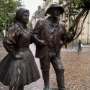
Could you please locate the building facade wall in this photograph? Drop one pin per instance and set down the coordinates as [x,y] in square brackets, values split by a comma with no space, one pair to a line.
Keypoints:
[85,35]
[48,3]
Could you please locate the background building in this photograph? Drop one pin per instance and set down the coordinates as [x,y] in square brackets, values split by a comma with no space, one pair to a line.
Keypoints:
[36,16]
[39,13]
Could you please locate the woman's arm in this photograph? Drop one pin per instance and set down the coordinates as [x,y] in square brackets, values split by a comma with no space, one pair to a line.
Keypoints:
[10,40]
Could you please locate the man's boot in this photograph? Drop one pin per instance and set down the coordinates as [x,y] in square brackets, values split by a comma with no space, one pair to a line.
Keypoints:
[21,87]
[60,79]
[45,75]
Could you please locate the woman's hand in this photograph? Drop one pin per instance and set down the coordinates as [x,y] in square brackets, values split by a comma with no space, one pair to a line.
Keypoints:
[16,56]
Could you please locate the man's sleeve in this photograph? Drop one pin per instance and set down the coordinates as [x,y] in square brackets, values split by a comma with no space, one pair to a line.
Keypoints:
[37,32]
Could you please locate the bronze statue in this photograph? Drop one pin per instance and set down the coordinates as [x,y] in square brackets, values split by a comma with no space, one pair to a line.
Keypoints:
[18,68]
[53,36]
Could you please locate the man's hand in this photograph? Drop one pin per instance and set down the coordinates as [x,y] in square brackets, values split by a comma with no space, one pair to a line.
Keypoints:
[69,35]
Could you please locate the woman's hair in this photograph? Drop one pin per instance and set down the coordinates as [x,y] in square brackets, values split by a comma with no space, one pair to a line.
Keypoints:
[19,13]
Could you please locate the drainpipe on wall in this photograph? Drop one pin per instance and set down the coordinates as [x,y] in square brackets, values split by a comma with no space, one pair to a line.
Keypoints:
[88,28]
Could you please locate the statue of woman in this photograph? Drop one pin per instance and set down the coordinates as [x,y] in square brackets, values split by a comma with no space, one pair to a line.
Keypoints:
[18,68]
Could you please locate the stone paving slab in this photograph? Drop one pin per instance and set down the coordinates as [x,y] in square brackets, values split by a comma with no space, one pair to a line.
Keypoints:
[49,89]
[77,70]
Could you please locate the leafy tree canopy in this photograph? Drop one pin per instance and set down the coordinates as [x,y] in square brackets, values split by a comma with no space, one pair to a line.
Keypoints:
[78,3]
[82,3]
[7,12]
[42,14]
[30,25]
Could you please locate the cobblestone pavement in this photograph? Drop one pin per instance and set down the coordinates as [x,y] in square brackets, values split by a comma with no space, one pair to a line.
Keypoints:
[77,70]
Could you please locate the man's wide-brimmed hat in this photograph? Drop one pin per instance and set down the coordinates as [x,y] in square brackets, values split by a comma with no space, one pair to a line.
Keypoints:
[54,5]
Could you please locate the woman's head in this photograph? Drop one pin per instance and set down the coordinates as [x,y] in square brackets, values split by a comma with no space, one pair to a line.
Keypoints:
[22,15]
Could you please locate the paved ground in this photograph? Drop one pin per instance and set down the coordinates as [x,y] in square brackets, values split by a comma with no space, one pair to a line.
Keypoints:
[77,70]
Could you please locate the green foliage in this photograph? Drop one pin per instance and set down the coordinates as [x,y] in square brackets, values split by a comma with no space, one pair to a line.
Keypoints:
[60,1]
[30,25]
[7,12]
[42,14]
[81,3]
[78,3]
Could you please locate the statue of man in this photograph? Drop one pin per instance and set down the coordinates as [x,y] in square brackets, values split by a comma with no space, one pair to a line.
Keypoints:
[52,36]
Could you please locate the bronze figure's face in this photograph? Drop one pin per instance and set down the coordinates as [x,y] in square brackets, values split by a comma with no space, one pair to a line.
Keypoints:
[22,15]
[25,17]
[55,12]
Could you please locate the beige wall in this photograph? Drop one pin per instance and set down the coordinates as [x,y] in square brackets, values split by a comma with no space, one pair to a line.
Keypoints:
[85,35]
[48,3]
[55,1]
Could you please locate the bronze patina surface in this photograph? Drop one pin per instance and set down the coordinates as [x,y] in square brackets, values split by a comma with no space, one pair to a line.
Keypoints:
[18,68]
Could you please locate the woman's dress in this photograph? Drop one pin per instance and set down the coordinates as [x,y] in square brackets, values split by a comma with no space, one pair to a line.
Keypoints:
[21,71]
